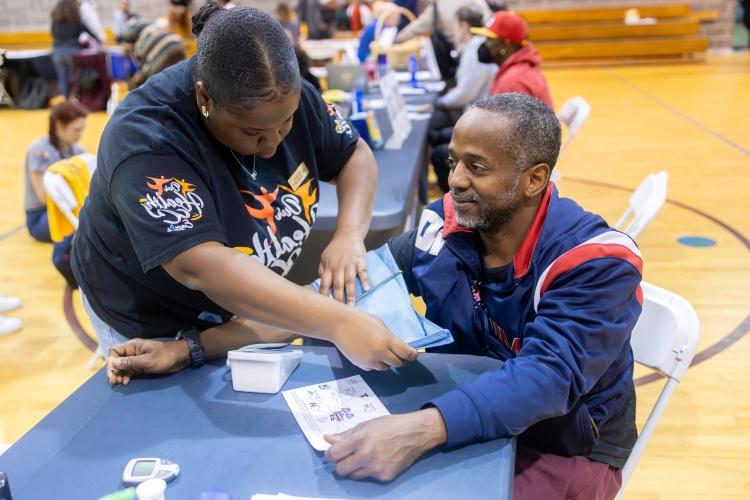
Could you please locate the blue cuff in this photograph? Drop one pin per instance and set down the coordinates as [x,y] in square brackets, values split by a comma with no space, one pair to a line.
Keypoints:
[461,417]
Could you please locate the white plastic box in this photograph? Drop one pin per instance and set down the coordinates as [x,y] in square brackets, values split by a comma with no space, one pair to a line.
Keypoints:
[261,370]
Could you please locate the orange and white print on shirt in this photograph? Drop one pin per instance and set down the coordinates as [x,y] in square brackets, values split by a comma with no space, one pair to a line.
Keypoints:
[173,201]
[285,216]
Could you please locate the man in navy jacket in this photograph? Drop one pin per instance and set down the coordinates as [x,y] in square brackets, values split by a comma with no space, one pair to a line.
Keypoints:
[519,274]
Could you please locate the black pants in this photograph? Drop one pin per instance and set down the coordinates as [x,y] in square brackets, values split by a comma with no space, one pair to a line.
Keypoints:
[441,125]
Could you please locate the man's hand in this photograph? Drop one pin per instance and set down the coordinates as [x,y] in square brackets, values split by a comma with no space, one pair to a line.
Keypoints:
[383,448]
[369,344]
[342,261]
[146,357]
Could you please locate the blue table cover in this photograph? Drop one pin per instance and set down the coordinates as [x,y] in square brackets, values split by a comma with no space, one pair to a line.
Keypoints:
[242,443]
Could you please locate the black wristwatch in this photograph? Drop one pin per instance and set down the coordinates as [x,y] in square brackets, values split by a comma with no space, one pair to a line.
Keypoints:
[192,337]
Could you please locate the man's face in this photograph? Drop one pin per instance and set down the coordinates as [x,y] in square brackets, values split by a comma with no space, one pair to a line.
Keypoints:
[499,49]
[483,182]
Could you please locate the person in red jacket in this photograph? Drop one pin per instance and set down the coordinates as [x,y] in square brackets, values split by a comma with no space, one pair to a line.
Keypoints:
[507,45]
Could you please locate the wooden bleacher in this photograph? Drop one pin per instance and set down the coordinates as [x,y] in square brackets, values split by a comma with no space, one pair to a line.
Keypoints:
[591,14]
[42,39]
[607,30]
[21,40]
[579,34]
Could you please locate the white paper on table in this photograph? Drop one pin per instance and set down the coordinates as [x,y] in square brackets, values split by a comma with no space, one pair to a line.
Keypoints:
[333,407]
[412,91]
[419,108]
[374,103]
[434,86]
[405,76]
[418,117]
[264,496]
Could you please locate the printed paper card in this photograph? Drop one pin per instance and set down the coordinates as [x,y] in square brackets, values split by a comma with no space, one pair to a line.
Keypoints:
[333,407]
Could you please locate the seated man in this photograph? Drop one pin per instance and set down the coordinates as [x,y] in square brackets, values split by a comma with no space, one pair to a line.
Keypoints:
[519,274]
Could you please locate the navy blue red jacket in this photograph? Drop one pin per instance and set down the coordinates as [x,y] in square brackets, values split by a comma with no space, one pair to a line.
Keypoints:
[560,320]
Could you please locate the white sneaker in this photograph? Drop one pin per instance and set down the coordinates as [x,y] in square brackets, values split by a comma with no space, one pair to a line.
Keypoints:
[9,303]
[9,325]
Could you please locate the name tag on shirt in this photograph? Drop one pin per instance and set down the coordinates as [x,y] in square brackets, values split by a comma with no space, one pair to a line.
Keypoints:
[299,176]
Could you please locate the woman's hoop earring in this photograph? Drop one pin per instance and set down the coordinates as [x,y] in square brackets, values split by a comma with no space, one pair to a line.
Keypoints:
[204,111]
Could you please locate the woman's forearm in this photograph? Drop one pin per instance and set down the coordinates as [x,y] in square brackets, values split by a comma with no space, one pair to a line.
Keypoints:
[355,188]
[242,285]
[238,333]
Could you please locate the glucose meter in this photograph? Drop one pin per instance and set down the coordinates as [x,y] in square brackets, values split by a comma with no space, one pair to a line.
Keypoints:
[142,469]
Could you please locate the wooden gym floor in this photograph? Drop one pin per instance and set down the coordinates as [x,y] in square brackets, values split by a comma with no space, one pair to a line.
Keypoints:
[692,120]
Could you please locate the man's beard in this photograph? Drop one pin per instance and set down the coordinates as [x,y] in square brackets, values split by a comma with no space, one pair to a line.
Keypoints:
[493,214]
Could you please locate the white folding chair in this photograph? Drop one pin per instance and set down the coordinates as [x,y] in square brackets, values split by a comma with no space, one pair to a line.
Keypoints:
[573,114]
[60,192]
[664,339]
[644,204]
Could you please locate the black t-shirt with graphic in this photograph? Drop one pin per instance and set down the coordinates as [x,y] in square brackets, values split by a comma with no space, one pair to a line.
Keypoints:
[163,184]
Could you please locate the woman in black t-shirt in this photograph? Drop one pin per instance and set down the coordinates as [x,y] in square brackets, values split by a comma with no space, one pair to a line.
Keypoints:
[206,188]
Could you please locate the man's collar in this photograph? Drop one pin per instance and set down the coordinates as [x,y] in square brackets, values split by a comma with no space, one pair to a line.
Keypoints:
[522,259]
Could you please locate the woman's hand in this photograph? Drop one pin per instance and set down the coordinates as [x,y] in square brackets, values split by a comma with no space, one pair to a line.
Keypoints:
[145,357]
[345,257]
[343,260]
[369,344]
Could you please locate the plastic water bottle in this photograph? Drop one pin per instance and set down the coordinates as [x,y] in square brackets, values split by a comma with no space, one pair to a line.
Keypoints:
[382,65]
[357,106]
[413,67]
[372,70]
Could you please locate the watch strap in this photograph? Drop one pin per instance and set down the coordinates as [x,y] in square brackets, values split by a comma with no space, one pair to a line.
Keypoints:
[192,337]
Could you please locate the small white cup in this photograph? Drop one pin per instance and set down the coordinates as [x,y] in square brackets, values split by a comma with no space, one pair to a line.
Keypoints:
[153,489]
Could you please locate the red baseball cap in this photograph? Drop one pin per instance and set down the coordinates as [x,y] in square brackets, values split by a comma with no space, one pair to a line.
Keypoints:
[505,25]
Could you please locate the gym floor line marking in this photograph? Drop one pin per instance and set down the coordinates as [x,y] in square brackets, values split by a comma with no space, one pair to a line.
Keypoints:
[727,340]
[678,113]
[11,232]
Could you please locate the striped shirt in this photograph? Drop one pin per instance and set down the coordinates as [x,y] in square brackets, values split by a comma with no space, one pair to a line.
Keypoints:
[157,49]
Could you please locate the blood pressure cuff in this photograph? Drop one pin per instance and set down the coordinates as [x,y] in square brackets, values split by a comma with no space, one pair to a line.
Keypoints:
[388,299]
